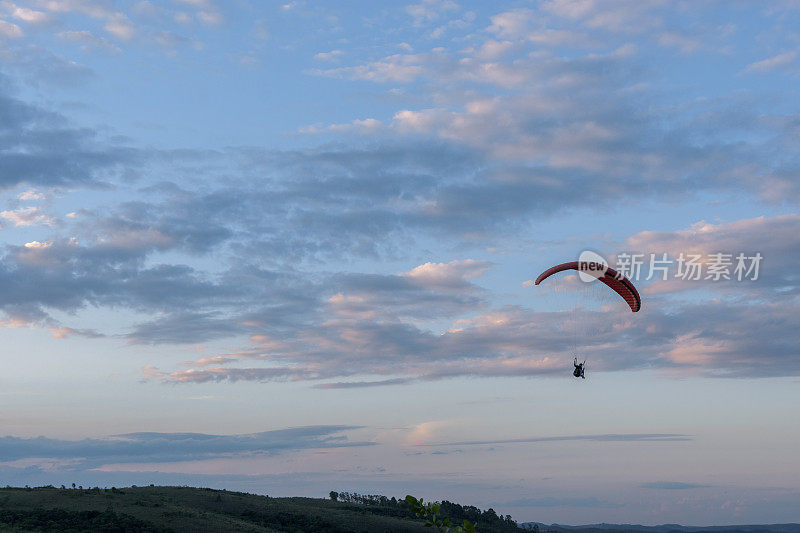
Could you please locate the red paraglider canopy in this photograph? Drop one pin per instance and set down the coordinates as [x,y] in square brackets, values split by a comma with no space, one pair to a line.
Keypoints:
[619,283]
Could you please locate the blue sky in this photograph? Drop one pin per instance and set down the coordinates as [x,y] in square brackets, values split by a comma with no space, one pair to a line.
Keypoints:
[288,248]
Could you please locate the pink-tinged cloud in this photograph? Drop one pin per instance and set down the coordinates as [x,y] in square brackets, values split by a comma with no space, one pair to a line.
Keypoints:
[705,237]
[28,216]
[718,338]
[29,16]
[447,275]
[780,252]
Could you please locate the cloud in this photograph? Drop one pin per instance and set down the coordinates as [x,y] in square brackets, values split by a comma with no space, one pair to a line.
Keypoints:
[513,24]
[146,8]
[63,333]
[685,43]
[173,447]
[211,18]
[39,148]
[369,335]
[184,327]
[671,485]
[625,437]
[452,275]
[626,16]
[197,3]
[362,384]
[464,200]
[530,25]
[333,55]
[9,30]
[506,134]
[88,40]
[115,23]
[359,309]
[28,216]
[29,16]
[171,42]
[37,66]
[580,112]
[37,244]
[93,8]
[430,10]
[600,143]
[328,202]
[232,375]
[776,62]
[463,23]
[63,274]
[399,67]
[732,238]
[120,26]
[32,194]
[366,126]
[549,501]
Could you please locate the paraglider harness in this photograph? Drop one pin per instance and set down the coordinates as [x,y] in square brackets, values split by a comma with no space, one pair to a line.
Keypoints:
[578,372]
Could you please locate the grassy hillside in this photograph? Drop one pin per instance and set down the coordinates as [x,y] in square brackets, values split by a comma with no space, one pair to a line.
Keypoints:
[140,509]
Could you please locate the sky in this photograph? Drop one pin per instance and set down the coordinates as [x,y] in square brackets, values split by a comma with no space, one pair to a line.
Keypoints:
[289,248]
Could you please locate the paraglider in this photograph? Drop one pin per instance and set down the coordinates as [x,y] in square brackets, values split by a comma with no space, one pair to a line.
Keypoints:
[578,372]
[616,281]
[610,277]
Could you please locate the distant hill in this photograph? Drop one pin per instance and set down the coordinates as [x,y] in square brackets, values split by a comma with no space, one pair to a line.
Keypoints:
[183,509]
[180,509]
[665,528]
